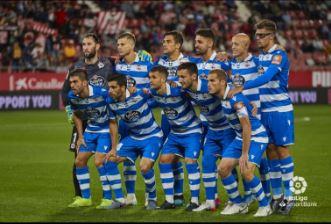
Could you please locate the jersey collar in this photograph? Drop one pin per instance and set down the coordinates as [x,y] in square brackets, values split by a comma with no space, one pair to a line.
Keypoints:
[227,89]
[272,48]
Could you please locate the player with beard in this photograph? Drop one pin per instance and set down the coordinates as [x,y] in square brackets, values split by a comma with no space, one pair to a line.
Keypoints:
[98,69]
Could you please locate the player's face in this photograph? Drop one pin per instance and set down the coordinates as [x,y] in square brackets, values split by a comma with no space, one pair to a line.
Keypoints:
[90,48]
[201,44]
[185,79]
[238,47]
[115,90]
[169,44]
[124,46]
[263,38]
[156,80]
[214,84]
[77,85]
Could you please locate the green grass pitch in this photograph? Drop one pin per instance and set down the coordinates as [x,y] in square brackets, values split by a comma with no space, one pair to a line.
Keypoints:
[36,185]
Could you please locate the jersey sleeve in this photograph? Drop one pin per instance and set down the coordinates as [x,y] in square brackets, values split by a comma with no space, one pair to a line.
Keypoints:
[279,60]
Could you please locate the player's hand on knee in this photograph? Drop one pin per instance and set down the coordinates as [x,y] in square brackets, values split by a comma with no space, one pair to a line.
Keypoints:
[69,115]
[80,142]
[243,163]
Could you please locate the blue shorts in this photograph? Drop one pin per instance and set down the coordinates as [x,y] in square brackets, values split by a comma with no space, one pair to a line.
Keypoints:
[131,148]
[96,142]
[187,146]
[279,126]
[255,153]
[217,141]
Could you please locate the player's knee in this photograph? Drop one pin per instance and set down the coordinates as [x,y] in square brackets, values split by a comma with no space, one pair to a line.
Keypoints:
[80,162]
[247,175]
[282,152]
[98,162]
[144,168]
[190,161]
[166,159]
[224,170]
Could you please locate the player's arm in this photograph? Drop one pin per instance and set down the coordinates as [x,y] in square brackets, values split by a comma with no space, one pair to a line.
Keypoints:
[113,129]
[273,69]
[64,95]
[79,126]
[243,116]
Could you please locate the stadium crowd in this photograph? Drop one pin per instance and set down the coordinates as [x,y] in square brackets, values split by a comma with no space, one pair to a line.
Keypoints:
[304,28]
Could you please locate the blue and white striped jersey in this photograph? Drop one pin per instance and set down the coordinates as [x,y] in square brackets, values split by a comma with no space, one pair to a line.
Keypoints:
[178,110]
[138,70]
[93,109]
[274,94]
[204,67]
[259,133]
[171,65]
[248,68]
[137,115]
[210,106]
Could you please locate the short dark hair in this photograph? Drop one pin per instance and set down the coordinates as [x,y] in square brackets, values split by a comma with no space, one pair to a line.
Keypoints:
[221,74]
[189,66]
[78,71]
[266,24]
[127,35]
[205,32]
[93,36]
[178,37]
[119,78]
[160,69]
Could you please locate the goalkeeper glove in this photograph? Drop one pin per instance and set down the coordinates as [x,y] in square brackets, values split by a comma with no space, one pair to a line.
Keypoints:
[69,115]
[144,56]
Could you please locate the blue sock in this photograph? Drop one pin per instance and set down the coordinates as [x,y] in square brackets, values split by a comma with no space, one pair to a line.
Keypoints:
[247,189]
[194,181]
[130,176]
[276,178]
[149,178]
[114,178]
[231,186]
[209,175]
[265,176]
[105,184]
[83,177]
[287,168]
[257,189]
[167,178]
[178,171]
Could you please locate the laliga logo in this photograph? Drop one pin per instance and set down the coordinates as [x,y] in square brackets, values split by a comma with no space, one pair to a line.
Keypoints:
[298,185]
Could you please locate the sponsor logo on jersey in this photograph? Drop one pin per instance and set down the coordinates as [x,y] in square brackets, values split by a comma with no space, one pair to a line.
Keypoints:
[170,113]
[97,80]
[132,116]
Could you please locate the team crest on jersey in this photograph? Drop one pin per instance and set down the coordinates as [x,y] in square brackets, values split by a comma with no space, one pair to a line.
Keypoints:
[260,70]
[97,80]
[204,109]
[170,113]
[132,116]
[101,65]
[92,113]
